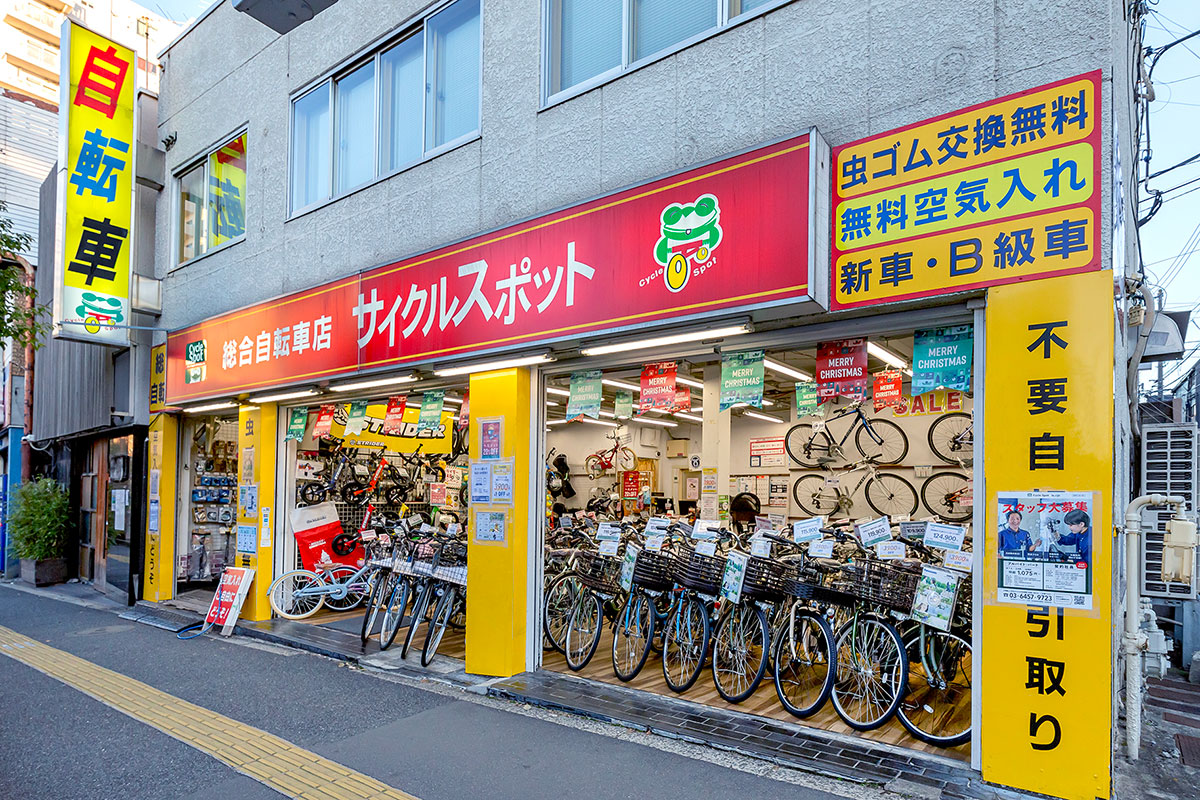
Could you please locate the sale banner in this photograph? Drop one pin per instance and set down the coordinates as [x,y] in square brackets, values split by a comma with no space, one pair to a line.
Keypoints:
[842,369]
[658,386]
[393,418]
[888,389]
[227,600]
[324,421]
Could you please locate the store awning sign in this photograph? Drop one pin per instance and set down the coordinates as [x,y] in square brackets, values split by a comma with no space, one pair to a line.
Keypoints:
[356,419]
[658,386]
[942,359]
[1003,191]
[586,394]
[432,403]
[842,369]
[393,417]
[95,190]
[742,379]
[888,389]
[297,424]
[736,234]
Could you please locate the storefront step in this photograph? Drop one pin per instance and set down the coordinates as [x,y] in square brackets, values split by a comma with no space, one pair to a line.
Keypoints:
[897,769]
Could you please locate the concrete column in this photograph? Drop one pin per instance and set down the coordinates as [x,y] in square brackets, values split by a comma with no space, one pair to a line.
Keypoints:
[717,436]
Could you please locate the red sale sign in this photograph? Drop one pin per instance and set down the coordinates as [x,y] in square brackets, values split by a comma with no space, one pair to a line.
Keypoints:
[734,234]
[842,368]
[227,600]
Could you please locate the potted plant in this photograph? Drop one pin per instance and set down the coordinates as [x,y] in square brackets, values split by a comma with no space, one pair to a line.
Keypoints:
[37,522]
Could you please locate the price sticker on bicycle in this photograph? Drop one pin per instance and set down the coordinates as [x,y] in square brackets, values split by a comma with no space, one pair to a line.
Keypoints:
[913,531]
[627,565]
[608,532]
[654,544]
[706,529]
[609,548]
[959,559]
[760,547]
[454,529]
[708,548]
[890,550]
[367,534]
[807,529]
[818,426]
[947,537]
[734,577]
[874,531]
[821,548]
[657,524]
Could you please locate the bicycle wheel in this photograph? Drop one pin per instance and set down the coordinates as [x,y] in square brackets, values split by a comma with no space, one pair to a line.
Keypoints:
[297,594]
[739,657]
[583,630]
[872,672]
[594,466]
[813,496]
[418,615]
[806,446]
[632,636]
[940,493]
[313,492]
[626,459]
[435,471]
[951,437]
[381,590]
[556,613]
[937,706]
[355,493]
[888,445]
[437,627]
[396,495]
[355,593]
[804,670]
[685,644]
[890,495]
[393,614]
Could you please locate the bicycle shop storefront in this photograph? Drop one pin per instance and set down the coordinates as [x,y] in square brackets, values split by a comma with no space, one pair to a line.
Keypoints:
[685,367]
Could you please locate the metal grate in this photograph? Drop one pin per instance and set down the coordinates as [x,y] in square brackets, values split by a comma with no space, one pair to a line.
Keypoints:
[1189,749]
[1168,467]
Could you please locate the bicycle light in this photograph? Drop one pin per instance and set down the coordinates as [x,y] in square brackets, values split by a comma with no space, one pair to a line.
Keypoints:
[1179,550]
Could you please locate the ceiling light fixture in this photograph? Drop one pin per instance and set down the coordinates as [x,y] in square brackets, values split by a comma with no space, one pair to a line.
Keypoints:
[453,400]
[664,423]
[689,382]
[620,384]
[688,417]
[662,341]
[557,421]
[275,398]
[488,366]
[600,422]
[784,369]
[353,387]
[210,407]
[885,355]
[558,391]
[763,417]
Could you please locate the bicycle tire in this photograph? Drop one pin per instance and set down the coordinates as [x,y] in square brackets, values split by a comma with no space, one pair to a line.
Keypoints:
[353,598]
[313,492]
[938,500]
[643,618]
[883,453]
[555,615]
[871,632]
[393,614]
[381,586]
[418,614]
[683,634]
[798,441]
[437,626]
[591,604]
[899,497]
[594,466]
[745,626]
[941,435]
[812,663]
[355,493]
[915,712]
[625,459]
[282,586]
[813,496]
[396,495]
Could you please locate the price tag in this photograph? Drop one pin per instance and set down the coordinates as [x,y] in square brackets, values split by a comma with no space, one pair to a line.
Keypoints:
[416,521]
[760,548]
[807,529]
[947,537]
[890,550]
[609,548]
[627,565]
[385,540]
[367,534]
[763,524]
[426,528]
[821,548]
[777,521]
[818,426]
[706,529]
[566,522]
[873,532]
[708,548]
[658,524]
[959,560]
[914,531]
[654,544]
[454,528]
[832,480]
[734,577]
[609,532]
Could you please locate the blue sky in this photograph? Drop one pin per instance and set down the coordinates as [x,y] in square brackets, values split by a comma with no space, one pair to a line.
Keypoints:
[178,10]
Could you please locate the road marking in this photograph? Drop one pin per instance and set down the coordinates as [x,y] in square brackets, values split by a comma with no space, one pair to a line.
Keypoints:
[266,758]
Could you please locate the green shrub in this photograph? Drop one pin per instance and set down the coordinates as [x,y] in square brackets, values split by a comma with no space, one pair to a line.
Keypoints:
[37,519]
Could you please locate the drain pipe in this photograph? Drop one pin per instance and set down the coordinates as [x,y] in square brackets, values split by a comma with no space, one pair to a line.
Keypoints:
[1134,640]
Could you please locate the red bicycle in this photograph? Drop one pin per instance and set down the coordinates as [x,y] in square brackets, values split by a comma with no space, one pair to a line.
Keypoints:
[618,456]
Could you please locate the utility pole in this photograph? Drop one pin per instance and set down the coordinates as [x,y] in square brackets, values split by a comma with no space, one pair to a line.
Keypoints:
[1161,297]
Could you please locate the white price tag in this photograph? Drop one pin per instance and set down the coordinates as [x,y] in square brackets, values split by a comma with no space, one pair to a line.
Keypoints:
[654,544]
[959,559]
[818,426]
[657,524]
[947,537]
[426,528]
[832,480]
[367,534]
[873,532]
[821,548]
[706,529]
[890,550]
[708,548]
[913,531]
[807,529]
[609,532]
[609,548]
[760,548]
[385,540]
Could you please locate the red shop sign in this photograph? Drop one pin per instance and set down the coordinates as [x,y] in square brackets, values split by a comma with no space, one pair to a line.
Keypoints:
[733,234]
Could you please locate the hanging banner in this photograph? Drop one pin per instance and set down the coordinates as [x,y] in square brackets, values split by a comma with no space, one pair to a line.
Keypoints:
[624,405]
[658,386]
[922,405]
[842,369]
[431,410]
[806,398]
[356,418]
[324,421]
[393,418]
[297,424]
[95,189]
[888,389]
[464,412]
[742,378]
[683,399]
[942,359]
[586,394]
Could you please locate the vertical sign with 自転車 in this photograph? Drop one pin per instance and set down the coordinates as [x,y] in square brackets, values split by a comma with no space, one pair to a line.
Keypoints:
[585,395]
[742,378]
[942,359]
[491,437]
[92,298]
[158,378]
[1046,582]
[842,369]
[658,387]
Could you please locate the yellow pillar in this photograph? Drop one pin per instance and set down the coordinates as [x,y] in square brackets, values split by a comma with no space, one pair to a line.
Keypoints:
[1034,736]
[159,569]
[256,468]
[497,572]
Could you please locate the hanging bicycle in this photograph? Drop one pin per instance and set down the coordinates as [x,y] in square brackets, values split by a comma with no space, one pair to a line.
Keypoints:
[814,444]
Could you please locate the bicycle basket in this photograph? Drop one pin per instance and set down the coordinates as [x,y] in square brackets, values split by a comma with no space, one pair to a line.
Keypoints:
[814,581]
[765,579]
[889,584]
[654,571]
[599,573]
[698,572]
[454,554]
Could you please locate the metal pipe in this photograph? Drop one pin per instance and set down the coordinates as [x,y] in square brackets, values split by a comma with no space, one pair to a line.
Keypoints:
[1134,640]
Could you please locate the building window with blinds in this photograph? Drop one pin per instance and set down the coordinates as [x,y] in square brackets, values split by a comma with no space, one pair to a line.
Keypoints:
[212,200]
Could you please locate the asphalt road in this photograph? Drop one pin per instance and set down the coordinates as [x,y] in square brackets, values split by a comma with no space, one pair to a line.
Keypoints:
[56,742]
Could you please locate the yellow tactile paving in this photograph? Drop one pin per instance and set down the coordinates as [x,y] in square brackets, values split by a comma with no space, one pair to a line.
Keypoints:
[268,759]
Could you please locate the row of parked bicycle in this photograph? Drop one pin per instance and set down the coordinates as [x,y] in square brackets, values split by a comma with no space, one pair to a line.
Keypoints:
[837,628]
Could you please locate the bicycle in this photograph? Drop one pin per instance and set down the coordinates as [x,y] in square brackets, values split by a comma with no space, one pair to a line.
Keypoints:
[428,468]
[300,593]
[952,437]
[395,492]
[812,445]
[317,491]
[688,631]
[618,456]
[432,580]
[639,619]
[944,493]
[599,575]
[886,493]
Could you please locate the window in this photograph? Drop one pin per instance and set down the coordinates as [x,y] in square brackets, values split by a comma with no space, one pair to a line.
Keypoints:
[415,95]
[212,200]
[590,38]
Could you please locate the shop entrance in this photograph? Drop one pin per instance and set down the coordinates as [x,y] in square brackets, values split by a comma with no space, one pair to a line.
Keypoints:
[752,540]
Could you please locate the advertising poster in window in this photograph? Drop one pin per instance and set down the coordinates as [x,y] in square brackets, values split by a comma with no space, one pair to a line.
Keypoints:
[842,369]
[227,192]
[1045,549]
[942,359]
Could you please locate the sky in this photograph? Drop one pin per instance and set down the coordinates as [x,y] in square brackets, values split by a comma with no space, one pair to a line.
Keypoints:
[177,10]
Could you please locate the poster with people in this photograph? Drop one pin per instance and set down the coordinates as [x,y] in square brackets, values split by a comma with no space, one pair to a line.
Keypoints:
[1045,549]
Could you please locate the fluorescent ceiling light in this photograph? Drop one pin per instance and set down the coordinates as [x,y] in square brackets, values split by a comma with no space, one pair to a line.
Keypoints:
[605,423]
[488,366]
[689,382]
[621,385]
[768,403]
[275,398]
[556,422]
[689,417]
[453,400]
[883,354]
[662,341]
[763,417]
[552,403]
[664,423]
[557,391]
[608,414]
[353,387]
[696,410]
[210,407]
[784,369]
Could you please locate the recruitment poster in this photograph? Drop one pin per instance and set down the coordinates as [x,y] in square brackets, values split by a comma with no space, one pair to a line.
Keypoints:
[1045,549]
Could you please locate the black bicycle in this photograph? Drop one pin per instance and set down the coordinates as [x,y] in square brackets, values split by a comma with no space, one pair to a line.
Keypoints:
[317,491]
[814,445]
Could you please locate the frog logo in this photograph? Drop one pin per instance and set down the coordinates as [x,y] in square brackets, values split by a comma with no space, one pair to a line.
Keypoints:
[99,311]
[690,234]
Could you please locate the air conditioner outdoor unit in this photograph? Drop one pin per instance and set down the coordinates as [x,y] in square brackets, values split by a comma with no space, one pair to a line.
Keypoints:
[1168,467]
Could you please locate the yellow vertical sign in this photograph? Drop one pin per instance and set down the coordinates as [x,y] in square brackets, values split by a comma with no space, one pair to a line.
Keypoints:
[158,378]
[1046,692]
[95,189]
[256,503]
[160,511]
[227,192]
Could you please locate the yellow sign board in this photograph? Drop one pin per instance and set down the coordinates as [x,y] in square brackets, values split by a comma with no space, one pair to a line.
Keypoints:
[92,300]
[437,441]
[158,378]
[227,192]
